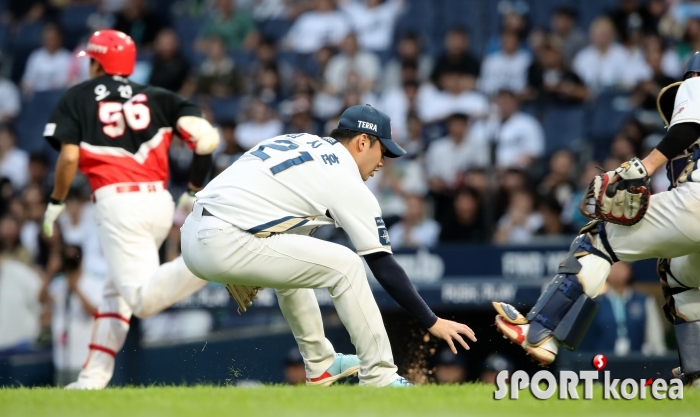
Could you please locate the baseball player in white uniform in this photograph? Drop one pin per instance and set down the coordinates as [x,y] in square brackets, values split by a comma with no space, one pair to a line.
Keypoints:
[118,134]
[251,227]
[631,225]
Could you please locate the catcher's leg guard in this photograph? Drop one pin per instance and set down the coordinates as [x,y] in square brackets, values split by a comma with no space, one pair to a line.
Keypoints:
[565,310]
[688,338]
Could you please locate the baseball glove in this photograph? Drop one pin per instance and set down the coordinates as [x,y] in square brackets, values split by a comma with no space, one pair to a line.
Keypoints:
[620,196]
[243,295]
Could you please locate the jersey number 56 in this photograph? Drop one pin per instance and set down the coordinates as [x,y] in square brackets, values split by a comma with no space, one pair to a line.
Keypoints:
[116,116]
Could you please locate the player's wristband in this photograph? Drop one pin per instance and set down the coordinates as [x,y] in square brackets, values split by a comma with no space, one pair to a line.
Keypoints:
[55,202]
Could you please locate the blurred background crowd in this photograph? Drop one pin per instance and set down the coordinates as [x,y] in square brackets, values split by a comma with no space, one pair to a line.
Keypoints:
[506,109]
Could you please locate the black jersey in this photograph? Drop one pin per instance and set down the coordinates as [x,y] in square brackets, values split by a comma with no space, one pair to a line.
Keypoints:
[123,129]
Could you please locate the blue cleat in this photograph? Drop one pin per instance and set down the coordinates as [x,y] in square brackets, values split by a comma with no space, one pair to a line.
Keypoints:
[401,382]
[343,367]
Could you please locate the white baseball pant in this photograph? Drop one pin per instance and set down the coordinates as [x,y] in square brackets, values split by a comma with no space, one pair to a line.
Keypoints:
[132,227]
[669,229]
[294,265]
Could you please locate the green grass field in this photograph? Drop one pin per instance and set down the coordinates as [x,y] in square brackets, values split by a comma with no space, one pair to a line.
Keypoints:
[278,401]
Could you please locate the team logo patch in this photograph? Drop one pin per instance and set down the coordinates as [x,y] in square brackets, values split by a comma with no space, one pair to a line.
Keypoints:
[50,129]
[383,232]
[330,140]
[366,125]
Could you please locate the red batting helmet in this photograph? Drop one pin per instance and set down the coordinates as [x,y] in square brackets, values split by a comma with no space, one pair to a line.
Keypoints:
[114,50]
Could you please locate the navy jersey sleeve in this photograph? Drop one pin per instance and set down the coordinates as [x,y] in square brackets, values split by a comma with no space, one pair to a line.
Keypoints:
[63,125]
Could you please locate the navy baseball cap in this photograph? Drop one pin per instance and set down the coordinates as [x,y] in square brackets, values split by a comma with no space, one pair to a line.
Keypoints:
[367,119]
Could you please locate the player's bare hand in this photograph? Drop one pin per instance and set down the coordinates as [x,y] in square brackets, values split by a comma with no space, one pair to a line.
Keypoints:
[450,331]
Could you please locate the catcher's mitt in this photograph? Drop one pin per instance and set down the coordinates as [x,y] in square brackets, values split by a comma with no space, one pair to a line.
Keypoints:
[243,295]
[620,196]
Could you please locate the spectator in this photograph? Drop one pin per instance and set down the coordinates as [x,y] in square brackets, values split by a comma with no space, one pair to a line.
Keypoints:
[456,58]
[604,63]
[566,34]
[294,368]
[550,83]
[631,14]
[513,19]
[571,214]
[267,86]
[520,222]
[398,103]
[413,141]
[414,230]
[627,321]
[373,21]
[517,137]
[262,125]
[557,183]
[465,224]
[169,69]
[452,155]
[507,68]
[324,25]
[493,365]
[20,309]
[230,151]
[352,64]
[75,297]
[39,172]
[266,57]
[454,95]
[234,27]
[47,67]
[409,50]
[26,10]
[449,368]
[137,21]
[218,75]
[300,119]
[10,104]
[12,248]
[645,93]
[45,251]
[550,210]
[78,225]
[690,42]
[13,162]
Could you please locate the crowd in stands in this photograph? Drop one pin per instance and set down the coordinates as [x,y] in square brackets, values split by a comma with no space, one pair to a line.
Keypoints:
[505,107]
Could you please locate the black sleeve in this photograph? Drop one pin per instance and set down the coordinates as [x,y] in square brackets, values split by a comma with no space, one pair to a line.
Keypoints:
[178,106]
[395,281]
[63,125]
[678,138]
[199,169]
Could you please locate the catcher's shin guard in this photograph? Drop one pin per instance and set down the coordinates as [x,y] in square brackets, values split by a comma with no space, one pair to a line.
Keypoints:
[688,338]
[564,311]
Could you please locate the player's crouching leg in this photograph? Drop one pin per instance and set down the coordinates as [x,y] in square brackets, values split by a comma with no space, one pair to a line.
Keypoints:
[566,308]
[682,309]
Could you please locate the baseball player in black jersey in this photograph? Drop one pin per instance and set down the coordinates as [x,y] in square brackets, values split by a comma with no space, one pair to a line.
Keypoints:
[118,133]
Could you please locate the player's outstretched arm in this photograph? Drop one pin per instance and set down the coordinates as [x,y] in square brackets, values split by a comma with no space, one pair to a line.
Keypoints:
[394,280]
[203,138]
[66,168]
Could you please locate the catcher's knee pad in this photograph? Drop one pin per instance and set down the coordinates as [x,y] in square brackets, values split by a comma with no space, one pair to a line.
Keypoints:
[663,268]
[688,338]
[564,311]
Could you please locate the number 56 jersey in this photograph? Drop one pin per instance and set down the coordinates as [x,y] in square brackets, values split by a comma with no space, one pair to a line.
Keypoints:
[293,184]
[123,129]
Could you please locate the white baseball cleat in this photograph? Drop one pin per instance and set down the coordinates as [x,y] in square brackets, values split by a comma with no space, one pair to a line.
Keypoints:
[85,385]
[515,326]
